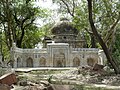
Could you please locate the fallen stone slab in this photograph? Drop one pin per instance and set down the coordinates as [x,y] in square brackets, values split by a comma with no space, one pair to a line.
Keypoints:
[97,67]
[9,79]
[23,83]
[45,83]
[62,87]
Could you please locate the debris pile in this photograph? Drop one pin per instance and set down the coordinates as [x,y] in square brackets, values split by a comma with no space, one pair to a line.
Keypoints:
[112,80]
[43,85]
[4,87]
[89,75]
[84,75]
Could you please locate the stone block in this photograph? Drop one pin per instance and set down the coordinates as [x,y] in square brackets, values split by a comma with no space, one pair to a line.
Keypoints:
[9,79]
[4,87]
[98,67]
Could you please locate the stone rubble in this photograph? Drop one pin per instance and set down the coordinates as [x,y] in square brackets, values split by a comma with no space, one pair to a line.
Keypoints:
[89,76]
[84,75]
[4,87]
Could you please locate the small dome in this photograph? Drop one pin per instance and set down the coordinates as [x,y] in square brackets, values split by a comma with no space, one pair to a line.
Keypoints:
[64,27]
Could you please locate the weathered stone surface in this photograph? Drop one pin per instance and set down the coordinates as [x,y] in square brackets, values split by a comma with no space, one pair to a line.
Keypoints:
[23,83]
[62,87]
[38,87]
[9,79]
[98,67]
[4,87]
[45,83]
[50,87]
[56,55]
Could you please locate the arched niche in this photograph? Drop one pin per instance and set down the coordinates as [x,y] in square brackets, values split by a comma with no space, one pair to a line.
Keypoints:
[19,62]
[42,61]
[76,62]
[59,60]
[59,63]
[29,62]
[91,61]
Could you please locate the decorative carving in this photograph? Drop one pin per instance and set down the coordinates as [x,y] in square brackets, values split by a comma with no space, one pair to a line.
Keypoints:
[42,61]
[76,62]
[59,59]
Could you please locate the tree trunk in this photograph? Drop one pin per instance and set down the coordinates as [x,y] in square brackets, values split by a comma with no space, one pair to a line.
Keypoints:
[101,42]
[93,42]
[9,24]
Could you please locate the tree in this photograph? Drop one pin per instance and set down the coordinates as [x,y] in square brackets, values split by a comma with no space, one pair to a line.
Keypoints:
[100,40]
[18,23]
[19,16]
[116,46]
[67,7]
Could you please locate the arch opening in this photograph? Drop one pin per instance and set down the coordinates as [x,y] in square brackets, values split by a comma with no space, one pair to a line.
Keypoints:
[91,61]
[76,62]
[42,61]
[29,62]
[19,62]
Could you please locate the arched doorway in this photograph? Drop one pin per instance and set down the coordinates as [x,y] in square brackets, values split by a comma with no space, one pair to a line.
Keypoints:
[91,62]
[59,60]
[29,62]
[42,61]
[19,62]
[76,62]
[59,63]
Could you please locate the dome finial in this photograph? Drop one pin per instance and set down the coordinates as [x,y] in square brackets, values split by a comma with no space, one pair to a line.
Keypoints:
[64,19]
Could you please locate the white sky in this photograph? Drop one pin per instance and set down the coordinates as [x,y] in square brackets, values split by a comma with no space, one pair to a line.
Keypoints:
[47,4]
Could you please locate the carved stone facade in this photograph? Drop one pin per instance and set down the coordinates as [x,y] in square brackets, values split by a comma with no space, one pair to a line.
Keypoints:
[56,55]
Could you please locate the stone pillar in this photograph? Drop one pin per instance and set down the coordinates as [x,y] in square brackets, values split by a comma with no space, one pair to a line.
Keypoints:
[84,59]
[15,63]
[36,62]
[102,57]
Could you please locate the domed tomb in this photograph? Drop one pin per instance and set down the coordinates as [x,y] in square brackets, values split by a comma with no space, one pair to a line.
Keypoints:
[64,27]
[65,32]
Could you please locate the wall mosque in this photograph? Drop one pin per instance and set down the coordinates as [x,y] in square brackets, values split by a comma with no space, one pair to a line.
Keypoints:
[67,48]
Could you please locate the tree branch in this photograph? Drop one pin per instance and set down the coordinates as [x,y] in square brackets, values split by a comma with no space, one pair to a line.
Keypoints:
[88,31]
[73,8]
[101,42]
[68,9]
[112,30]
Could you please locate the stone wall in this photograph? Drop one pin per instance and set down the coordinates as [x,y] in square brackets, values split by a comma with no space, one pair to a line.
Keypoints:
[56,55]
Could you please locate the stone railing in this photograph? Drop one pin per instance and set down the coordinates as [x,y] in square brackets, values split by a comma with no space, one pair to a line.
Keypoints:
[18,50]
[85,49]
[30,50]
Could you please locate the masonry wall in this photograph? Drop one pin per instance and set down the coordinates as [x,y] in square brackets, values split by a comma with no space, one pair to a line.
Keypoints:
[55,55]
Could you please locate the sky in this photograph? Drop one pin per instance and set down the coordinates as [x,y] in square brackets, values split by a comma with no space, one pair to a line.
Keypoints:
[47,4]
